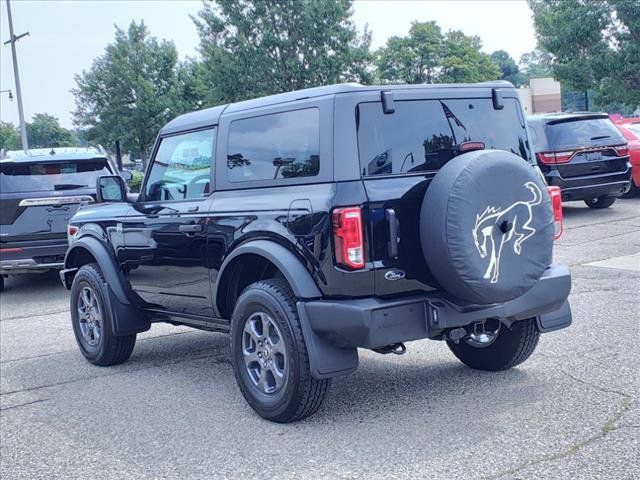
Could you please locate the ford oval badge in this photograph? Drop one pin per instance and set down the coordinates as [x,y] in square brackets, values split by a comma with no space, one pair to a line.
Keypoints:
[394,275]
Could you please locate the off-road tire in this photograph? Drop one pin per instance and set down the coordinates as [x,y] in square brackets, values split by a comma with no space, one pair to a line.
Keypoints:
[601,202]
[301,395]
[111,349]
[513,346]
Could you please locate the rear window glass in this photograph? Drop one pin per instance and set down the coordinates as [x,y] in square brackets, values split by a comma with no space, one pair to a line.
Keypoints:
[422,135]
[580,133]
[275,146]
[49,176]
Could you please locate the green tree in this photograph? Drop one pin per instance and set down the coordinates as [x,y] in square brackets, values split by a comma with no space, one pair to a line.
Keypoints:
[413,59]
[131,91]
[258,47]
[45,131]
[464,62]
[595,45]
[9,138]
[428,56]
[535,64]
[508,67]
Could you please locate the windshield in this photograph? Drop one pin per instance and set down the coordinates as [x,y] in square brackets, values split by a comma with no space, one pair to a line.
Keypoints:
[50,176]
[422,135]
[583,133]
[635,128]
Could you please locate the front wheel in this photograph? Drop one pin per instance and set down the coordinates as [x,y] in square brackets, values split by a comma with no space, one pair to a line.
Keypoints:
[269,356]
[601,202]
[92,322]
[497,347]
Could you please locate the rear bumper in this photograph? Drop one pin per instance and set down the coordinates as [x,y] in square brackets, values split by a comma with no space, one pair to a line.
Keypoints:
[32,259]
[374,322]
[590,186]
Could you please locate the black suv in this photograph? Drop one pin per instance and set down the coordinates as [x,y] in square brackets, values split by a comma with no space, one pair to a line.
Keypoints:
[313,223]
[582,153]
[39,192]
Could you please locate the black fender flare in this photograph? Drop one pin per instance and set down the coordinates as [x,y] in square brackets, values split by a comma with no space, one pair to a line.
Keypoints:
[292,267]
[127,317]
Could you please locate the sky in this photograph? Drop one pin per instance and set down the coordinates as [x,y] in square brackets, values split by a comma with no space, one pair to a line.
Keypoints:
[66,36]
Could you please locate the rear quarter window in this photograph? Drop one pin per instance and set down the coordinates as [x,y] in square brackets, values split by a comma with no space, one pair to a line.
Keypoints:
[274,146]
[422,135]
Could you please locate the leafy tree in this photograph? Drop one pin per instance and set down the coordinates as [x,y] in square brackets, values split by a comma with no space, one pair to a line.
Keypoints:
[428,56]
[258,47]
[595,44]
[535,64]
[131,91]
[508,67]
[9,138]
[413,59]
[45,131]
[462,60]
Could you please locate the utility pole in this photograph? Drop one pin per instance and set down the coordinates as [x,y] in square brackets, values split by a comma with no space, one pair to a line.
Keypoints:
[12,41]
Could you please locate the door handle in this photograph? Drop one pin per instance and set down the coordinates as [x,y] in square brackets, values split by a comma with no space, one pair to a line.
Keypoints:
[390,215]
[193,228]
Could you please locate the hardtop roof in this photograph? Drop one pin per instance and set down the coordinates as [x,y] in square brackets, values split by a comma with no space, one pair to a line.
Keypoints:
[211,116]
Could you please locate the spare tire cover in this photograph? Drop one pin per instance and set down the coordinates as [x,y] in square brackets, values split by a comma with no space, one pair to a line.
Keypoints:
[486,226]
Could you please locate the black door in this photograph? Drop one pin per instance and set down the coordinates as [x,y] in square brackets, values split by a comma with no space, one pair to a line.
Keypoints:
[166,233]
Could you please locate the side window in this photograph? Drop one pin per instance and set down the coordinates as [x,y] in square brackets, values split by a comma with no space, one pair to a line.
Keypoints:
[279,145]
[181,168]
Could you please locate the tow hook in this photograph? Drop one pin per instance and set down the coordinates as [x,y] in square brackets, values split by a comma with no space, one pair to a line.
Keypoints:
[397,348]
[457,334]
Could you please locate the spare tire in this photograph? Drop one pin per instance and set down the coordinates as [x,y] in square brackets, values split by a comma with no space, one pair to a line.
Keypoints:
[486,227]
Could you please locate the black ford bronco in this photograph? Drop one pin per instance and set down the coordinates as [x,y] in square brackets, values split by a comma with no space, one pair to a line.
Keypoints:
[312,223]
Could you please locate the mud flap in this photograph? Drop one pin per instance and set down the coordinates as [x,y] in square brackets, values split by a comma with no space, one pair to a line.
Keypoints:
[560,318]
[126,320]
[325,359]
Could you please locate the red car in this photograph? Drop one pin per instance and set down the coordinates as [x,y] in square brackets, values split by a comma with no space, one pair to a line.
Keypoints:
[630,128]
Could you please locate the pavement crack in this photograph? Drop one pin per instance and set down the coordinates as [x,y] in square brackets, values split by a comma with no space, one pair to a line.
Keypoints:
[30,316]
[608,427]
[24,404]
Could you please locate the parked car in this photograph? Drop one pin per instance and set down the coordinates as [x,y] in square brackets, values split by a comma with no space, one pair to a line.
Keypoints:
[313,223]
[582,153]
[630,129]
[39,192]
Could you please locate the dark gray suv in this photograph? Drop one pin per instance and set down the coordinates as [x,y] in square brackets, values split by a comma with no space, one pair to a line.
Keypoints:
[39,192]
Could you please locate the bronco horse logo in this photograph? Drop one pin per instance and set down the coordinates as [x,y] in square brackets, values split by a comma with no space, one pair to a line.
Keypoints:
[495,227]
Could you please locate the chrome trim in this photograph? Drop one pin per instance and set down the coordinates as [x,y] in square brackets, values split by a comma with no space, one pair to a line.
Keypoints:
[37,202]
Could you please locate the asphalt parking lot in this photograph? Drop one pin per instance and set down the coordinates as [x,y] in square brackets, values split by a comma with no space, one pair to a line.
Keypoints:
[174,411]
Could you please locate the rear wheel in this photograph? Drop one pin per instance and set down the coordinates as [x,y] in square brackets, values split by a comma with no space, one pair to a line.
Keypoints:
[497,347]
[632,192]
[601,202]
[269,356]
[92,322]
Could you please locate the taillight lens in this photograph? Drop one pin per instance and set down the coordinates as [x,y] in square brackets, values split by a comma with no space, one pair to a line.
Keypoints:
[71,230]
[546,158]
[564,157]
[622,151]
[556,204]
[348,237]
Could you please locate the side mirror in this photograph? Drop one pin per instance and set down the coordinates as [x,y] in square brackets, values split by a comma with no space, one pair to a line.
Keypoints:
[111,188]
[126,175]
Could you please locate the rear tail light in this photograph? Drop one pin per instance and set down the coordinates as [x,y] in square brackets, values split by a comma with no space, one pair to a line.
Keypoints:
[556,205]
[470,146]
[549,158]
[71,230]
[11,250]
[622,151]
[348,237]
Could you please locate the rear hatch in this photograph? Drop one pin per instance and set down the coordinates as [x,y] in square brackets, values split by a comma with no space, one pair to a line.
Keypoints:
[585,145]
[401,152]
[37,199]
